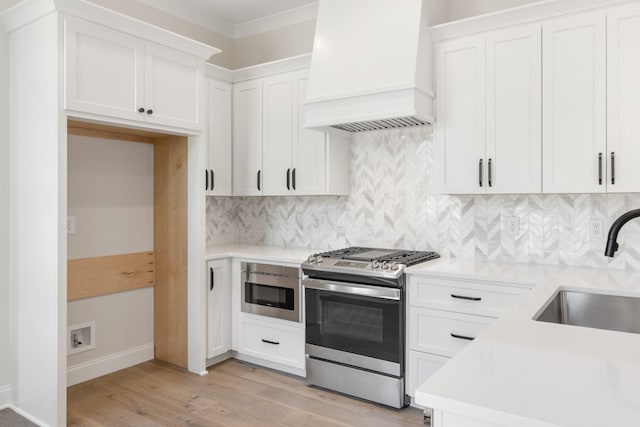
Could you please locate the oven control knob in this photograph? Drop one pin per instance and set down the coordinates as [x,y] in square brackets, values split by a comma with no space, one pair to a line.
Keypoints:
[385,265]
[375,264]
[394,266]
[311,259]
[319,259]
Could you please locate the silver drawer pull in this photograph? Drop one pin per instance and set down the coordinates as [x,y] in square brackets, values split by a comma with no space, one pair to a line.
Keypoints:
[465,297]
[462,337]
[270,342]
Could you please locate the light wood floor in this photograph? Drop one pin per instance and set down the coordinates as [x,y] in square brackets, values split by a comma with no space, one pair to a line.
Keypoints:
[232,394]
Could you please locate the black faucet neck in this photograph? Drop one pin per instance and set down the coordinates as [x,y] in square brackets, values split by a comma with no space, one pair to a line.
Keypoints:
[612,239]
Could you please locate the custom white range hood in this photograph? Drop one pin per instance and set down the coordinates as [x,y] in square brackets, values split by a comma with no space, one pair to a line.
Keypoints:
[370,67]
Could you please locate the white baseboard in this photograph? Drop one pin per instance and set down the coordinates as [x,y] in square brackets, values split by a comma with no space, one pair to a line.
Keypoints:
[5,396]
[27,416]
[105,365]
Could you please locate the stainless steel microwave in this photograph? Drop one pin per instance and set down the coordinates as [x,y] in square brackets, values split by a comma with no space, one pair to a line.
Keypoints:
[271,290]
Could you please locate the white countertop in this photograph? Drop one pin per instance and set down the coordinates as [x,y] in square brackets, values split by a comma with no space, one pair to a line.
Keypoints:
[266,253]
[521,372]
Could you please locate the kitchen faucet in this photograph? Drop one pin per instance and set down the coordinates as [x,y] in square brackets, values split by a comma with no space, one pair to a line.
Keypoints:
[612,240]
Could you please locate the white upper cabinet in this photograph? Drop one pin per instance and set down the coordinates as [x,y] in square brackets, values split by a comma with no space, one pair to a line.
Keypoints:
[574,104]
[218,172]
[108,73]
[173,87]
[513,111]
[277,125]
[623,99]
[488,98]
[460,124]
[247,138]
[310,160]
[274,155]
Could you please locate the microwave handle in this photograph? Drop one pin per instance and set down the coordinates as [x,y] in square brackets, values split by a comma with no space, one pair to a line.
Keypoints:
[353,289]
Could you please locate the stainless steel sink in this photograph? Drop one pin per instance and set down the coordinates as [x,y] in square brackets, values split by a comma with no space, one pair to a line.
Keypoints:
[592,310]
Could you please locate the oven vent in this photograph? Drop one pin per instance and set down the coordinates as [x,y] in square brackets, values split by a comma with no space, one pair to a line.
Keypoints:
[399,122]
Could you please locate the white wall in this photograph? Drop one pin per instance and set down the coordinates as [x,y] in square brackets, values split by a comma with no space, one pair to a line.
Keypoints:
[286,42]
[459,9]
[4,219]
[110,192]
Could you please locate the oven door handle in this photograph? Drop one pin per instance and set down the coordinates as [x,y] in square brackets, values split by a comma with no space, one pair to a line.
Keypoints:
[353,289]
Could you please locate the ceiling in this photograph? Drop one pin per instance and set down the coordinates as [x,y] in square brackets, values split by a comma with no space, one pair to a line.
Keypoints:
[236,12]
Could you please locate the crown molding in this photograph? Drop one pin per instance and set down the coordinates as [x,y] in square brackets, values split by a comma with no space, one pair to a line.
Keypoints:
[289,17]
[193,15]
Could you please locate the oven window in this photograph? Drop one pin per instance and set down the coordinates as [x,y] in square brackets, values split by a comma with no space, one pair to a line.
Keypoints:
[270,296]
[361,325]
[352,321]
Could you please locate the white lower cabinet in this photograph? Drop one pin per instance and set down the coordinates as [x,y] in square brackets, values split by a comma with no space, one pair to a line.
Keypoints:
[445,314]
[422,366]
[273,342]
[218,313]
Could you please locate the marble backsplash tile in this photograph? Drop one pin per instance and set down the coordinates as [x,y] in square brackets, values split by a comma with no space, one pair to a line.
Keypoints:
[393,204]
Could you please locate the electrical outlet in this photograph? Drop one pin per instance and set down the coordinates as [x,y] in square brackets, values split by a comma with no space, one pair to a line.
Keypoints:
[71,225]
[512,225]
[596,228]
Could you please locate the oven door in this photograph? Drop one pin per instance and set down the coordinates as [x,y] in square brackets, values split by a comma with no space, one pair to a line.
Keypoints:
[354,324]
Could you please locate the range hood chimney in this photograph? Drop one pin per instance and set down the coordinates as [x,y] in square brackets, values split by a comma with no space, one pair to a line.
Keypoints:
[370,66]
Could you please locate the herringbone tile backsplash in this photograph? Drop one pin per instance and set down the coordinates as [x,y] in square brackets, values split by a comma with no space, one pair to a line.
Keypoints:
[393,204]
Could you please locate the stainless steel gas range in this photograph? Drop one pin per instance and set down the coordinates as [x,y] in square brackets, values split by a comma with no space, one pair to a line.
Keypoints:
[355,321]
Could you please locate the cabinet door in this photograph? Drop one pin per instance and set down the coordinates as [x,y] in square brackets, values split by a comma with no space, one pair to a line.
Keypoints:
[420,367]
[309,146]
[173,84]
[623,99]
[104,71]
[218,174]
[247,138]
[218,314]
[513,115]
[460,127]
[574,116]
[277,116]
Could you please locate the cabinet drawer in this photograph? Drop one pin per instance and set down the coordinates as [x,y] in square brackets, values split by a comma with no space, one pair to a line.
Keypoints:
[479,298]
[273,342]
[442,332]
[422,366]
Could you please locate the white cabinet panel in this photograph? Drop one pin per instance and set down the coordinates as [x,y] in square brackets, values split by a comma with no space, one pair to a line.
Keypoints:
[218,308]
[110,74]
[277,124]
[273,342]
[421,367]
[441,332]
[574,116]
[247,138]
[513,116]
[173,88]
[460,127]
[310,162]
[623,99]
[104,70]
[218,173]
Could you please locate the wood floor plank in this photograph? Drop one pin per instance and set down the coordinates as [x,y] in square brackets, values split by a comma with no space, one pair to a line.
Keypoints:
[234,394]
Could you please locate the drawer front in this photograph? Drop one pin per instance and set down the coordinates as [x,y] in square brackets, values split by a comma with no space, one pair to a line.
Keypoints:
[275,343]
[422,366]
[483,299]
[441,332]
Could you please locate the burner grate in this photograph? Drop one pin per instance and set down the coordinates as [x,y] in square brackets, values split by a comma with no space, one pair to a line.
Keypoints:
[400,256]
